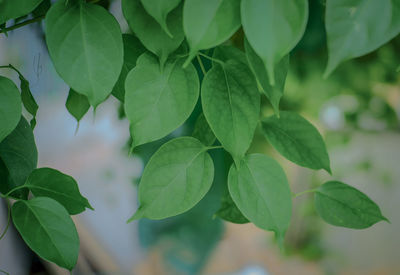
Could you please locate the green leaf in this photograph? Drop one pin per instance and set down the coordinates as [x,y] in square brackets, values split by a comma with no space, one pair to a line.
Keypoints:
[273,28]
[28,100]
[48,230]
[77,104]
[85,45]
[42,8]
[19,155]
[203,132]
[10,107]
[175,179]
[132,50]
[150,33]
[229,211]
[261,192]
[157,102]
[231,105]
[224,53]
[272,92]
[297,140]
[159,9]
[353,28]
[342,205]
[47,182]
[10,9]
[208,23]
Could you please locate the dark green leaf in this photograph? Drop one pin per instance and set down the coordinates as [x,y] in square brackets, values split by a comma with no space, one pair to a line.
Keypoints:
[177,176]
[353,28]
[231,105]
[77,104]
[10,107]
[229,211]
[208,23]
[85,45]
[342,205]
[10,9]
[48,230]
[203,132]
[42,8]
[28,100]
[132,50]
[297,140]
[273,93]
[273,28]
[19,154]
[150,33]
[157,102]
[224,53]
[159,9]
[47,182]
[261,191]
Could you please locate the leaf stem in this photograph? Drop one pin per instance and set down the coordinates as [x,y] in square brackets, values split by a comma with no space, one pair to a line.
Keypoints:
[13,190]
[305,192]
[8,219]
[201,65]
[1,270]
[214,147]
[19,25]
[211,58]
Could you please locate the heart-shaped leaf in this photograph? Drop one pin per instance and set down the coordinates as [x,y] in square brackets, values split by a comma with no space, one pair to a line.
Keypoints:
[157,102]
[231,105]
[47,182]
[175,179]
[48,230]
[273,28]
[85,45]
[10,107]
[260,190]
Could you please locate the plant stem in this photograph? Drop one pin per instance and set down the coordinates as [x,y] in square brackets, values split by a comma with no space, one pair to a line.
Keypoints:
[214,147]
[305,192]
[8,219]
[201,65]
[13,190]
[211,58]
[19,25]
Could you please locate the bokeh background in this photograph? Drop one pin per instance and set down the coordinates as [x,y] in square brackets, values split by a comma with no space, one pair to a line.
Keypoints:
[357,110]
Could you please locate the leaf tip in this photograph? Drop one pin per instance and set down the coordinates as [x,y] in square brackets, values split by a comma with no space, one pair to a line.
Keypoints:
[138,215]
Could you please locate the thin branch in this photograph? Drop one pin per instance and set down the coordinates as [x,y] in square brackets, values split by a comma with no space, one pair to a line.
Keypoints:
[19,25]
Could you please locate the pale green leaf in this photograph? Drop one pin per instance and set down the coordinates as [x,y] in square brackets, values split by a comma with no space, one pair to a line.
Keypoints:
[342,205]
[157,102]
[261,192]
[77,104]
[150,33]
[208,23]
[10,9]
[48,230]
[353,28]
[19,156]
[175,179]
[224,53]
[231,105]
[273,28]
[159,9]
[203,132]
[47,182]
[297,140]
[132,50]
[10,107]
[273,92]
[85,45]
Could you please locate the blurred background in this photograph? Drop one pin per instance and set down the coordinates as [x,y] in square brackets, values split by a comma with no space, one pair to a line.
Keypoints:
[357,110]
